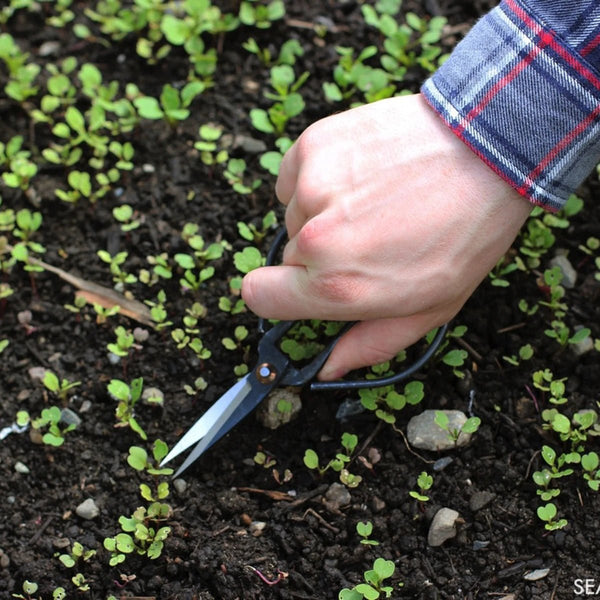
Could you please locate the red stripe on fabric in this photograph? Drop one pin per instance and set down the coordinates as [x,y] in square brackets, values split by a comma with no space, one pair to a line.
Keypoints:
[554,44]
[591,46]
[582,126]
[493,91]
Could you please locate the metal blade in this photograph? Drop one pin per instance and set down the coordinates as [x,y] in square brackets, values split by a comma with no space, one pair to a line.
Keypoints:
[218,428]
[201,427]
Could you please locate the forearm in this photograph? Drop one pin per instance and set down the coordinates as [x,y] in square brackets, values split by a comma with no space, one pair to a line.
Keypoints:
[522,90]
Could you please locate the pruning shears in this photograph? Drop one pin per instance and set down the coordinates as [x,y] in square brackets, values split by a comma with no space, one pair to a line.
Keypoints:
[274,368]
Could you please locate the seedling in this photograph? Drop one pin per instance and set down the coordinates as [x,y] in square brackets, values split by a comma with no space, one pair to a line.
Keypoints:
[210,153]
[239,335]
[374,586]
[137,536]
[199,385]
[338,464]
[589,464]
[525,353]
[256,234]
[20,170]
[49,419]
[424,482]
[470,426]
[120,277]
[384,401]
[235,175]
[287,54]
[248,259]
[124,343]
[138,459]
[59,387]
[127,397]
[288,103]
[364,530]
[78,552]
[547,513]
[264,460]
[544,380]
[125,215]
[271,160]
[259,15]
[172,106]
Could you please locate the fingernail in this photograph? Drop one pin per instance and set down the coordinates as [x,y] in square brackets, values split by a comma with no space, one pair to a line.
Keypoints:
[329,373]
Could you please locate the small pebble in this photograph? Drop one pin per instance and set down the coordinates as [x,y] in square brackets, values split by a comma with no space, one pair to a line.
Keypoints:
[256,528]
[86,406]
[21,468]
[338,495]
[113,359]
[424,433]
[443,526]
[480,545]
[180,486]
[88,509]
[37,373]
[279,408]
[480,500]
[148,168]
[442,463]
[536,575]
[4,560]
[70,417]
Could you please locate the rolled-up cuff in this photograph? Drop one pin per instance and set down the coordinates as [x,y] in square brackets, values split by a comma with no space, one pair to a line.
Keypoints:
[523,100]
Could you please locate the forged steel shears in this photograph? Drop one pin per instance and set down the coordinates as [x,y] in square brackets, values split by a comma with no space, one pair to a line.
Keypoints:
[274,368]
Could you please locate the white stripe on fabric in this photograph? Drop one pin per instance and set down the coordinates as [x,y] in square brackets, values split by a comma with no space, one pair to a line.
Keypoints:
[557,69]
[519,176]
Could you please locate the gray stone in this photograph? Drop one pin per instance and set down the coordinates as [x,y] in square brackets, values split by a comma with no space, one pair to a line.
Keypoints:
[338,495]
[180,486]
[566,268]
[424,433]
[280,407]
[70,417]
[480,500]
[441,463]
[249,144]
[87,509]
[256,528]
[21,468]
[536,575]
[443,526]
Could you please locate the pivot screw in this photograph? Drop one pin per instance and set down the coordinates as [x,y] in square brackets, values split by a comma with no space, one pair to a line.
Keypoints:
[265,373]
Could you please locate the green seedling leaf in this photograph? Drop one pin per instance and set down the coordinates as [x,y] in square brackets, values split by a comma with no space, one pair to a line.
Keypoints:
[547,512]
[384,568]
[138,458]
[248,259]
[590,461]
[311,459]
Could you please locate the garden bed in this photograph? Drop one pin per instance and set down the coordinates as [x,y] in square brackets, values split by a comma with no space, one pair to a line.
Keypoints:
[235,530]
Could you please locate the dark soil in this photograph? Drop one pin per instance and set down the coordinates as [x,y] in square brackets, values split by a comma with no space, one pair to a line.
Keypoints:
[211,552]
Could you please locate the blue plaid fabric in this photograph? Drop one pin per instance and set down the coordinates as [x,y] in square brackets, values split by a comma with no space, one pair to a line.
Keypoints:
[523,91]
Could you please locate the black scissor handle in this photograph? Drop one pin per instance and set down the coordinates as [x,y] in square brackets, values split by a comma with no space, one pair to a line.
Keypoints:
[305,374]
[359,384]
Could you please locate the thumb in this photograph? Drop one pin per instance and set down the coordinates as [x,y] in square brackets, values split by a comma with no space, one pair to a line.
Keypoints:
[276,292]
[372,342]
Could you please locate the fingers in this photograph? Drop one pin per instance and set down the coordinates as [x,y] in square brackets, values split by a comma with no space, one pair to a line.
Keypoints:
[277,293]
[288,175]
[373,342]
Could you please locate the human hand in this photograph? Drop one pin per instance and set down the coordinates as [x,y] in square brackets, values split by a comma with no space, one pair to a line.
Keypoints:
[392,222]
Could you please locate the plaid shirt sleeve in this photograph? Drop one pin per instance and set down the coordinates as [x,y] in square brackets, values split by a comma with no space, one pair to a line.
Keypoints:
[522,90]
